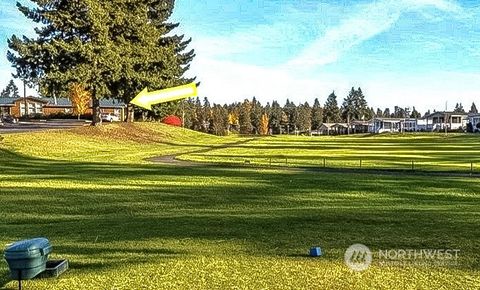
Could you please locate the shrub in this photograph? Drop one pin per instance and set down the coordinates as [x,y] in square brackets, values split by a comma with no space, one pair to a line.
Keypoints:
[173,121]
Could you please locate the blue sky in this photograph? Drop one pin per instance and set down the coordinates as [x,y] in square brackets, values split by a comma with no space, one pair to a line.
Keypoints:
[402,52]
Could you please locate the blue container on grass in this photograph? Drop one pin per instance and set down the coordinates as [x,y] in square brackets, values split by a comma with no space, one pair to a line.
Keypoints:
[315,252]
[26,259]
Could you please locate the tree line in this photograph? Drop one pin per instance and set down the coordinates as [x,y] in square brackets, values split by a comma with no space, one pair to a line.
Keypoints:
[252,117]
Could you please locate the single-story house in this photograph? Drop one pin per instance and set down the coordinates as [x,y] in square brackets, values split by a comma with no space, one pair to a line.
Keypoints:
[474,120]
[383,125]
[394,125]
[331,129]
[361,127]
[451,120]
[15,107]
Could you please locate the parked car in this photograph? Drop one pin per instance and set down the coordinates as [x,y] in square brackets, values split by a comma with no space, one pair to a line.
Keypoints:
[110,118]
[8,119]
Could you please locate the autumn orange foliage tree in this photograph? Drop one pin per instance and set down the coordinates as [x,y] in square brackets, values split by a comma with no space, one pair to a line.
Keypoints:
[264,124]
[80,98]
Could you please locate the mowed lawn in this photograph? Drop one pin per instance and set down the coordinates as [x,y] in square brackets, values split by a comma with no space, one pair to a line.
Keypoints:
[426,152]
[125,223]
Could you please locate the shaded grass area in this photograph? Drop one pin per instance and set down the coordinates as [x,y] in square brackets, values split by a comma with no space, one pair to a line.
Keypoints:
[131,225]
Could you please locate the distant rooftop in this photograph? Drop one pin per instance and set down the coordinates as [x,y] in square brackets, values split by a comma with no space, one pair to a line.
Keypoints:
[62,102]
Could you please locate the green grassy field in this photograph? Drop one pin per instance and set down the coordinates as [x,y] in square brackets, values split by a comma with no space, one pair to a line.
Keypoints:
[125,223]
[428,152]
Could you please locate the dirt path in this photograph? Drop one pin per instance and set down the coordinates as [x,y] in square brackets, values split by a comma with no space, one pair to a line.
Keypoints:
[172,159]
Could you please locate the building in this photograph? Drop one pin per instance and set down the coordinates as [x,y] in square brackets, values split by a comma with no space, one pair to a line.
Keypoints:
[439,121]
[393,125]
[359,127]
[15,107]
[474,120]
[331,129]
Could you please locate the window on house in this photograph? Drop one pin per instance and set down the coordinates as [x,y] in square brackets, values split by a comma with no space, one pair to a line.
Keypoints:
[22,109]
[31,108]
[38,108]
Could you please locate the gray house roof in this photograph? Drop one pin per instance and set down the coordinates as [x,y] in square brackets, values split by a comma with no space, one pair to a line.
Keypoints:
[7,101]
[62,102]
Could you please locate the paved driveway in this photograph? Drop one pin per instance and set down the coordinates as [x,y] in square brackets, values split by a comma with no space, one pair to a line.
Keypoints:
[40,125]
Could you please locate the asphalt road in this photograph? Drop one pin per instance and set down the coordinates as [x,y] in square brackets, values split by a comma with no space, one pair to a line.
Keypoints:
[31,126]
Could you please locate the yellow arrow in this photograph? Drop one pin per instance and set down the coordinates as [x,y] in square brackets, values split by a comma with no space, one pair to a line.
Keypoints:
[146,99]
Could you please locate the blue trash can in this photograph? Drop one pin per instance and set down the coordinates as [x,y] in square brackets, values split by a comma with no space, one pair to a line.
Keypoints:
[26,259]
[315,252]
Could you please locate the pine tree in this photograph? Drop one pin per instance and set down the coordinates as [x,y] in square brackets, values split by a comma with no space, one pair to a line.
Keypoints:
[291,111]
[355,107]
[276,118]
[219,120]
[331,112]
[362,112]
[304,119]
[386,113]
[349,107]
[459,108]
[244,118]
[188,113]
[10,91]
[207,116]
[473,109]
[116,48]
[256,115]
[379,113]
[415,114]
[317,114]
[199,118]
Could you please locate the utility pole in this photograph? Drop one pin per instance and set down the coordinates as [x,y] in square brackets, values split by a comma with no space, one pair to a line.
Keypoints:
[25,97]
[446,118]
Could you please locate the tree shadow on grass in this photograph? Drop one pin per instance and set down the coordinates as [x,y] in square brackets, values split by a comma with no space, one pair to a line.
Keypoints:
[4,278]
[274,213]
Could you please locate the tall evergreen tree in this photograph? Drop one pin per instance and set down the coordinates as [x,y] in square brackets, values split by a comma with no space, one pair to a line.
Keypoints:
[459,108]
[256,115]
[291,111]
[415,114]
[188,113]
[473,109]
[276,118]
[379,113]
[199,116]
[386,113]
[207,116]
[331,112]
[304,118]
[219,120]
[10,91]
[349,108]
[362,112]
[244,118]
[114,48]
[317,114]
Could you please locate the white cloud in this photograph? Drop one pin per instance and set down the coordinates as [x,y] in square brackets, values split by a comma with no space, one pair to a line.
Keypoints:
[222,78]
[370,20]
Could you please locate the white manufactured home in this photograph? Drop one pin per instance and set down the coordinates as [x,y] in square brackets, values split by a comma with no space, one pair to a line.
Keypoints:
[393,125]
[474,120]
[449,120]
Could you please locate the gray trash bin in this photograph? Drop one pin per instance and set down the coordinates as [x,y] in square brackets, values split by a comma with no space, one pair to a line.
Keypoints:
[27,258]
